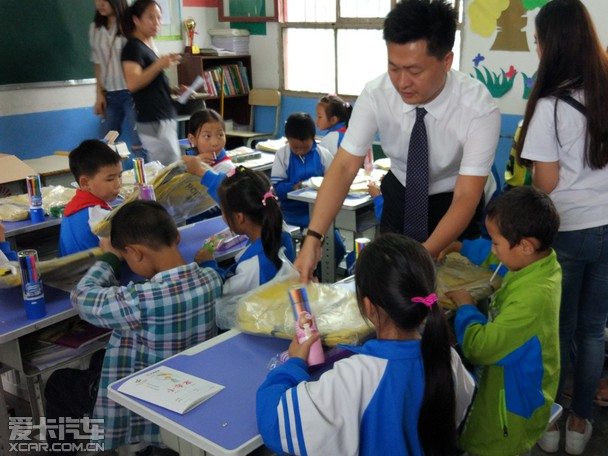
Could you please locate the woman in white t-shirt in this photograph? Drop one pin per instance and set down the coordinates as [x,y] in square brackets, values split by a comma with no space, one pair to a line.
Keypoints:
[565,138]
[113,101]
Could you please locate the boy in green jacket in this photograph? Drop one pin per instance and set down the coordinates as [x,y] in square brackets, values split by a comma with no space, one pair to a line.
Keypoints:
[517,344]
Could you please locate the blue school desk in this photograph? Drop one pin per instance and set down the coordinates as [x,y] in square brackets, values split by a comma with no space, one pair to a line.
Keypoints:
[224,424]
[356,215]
[12,229]
[14,324]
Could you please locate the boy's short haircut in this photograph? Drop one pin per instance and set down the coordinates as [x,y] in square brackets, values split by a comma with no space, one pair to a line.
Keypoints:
[90,156]
[143,222]
[525,212]
[431,20]
[300,126]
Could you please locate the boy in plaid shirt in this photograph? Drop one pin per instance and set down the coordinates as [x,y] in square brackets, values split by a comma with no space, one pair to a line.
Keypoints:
[171,311]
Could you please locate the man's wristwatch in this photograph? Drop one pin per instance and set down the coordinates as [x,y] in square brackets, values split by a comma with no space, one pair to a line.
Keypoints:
[315,234]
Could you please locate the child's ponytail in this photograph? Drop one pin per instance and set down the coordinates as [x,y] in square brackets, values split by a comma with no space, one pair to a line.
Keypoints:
[397,275]
[336,106]
[436,422]
[249,192]
[272,228]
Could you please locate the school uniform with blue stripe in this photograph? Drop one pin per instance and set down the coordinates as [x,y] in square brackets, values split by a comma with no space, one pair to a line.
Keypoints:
[367,404]
[252,267]
[333,137]
[289,169]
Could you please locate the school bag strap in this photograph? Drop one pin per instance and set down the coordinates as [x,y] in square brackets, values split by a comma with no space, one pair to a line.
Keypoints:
[570,100]
[566,97]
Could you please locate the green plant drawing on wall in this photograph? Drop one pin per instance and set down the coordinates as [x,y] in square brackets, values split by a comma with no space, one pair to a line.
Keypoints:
[508,17]
[528,84]
[497,84]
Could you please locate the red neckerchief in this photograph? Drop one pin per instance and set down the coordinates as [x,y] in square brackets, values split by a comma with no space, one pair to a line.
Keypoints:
[83,199]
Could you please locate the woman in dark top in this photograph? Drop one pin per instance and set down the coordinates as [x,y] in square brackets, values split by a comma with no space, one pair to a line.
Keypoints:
[143,71]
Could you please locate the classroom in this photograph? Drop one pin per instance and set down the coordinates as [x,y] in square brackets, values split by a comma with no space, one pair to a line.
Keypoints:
[286,164]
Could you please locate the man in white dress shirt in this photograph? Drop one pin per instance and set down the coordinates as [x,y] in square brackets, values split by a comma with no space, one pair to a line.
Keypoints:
[462,123]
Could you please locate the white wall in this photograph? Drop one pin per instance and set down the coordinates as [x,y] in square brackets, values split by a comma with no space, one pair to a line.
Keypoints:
[264,51]
[526,62]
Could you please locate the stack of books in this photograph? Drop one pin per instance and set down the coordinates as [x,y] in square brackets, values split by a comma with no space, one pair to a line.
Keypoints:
[233,77]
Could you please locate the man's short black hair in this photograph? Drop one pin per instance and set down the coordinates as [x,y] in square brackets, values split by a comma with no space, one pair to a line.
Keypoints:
[525,212]
[143,222]
[431,20]
[90,156]
[300,126]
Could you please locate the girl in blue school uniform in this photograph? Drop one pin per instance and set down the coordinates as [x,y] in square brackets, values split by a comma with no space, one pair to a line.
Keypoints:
[207,137]
[333,114]
[403,393]
[249,207]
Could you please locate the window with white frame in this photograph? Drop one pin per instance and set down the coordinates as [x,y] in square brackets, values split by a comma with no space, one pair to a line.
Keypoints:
[336,46]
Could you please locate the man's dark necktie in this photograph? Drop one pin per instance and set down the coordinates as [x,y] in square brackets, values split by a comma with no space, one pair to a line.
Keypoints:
[416,210]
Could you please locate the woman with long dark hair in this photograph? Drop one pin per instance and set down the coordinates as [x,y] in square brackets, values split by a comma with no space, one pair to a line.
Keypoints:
[564,139]
[113,102]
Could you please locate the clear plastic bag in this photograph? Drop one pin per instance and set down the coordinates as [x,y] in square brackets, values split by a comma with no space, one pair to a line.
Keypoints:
[267,310]
[457,273]
[63,273]
[16,208]
[178,191]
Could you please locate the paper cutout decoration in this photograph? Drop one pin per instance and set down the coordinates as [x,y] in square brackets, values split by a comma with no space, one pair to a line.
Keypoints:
[528,84]
[508,17]
[497,84]
[478,59]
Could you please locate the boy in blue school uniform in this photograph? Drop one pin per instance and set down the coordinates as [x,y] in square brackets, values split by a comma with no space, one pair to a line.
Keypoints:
[300,159]
[97,170]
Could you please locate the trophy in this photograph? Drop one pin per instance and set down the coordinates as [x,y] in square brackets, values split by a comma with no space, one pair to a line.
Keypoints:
[190,25]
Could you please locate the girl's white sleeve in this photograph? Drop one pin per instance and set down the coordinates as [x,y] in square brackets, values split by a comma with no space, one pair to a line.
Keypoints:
[330,142]
[245,278]
[324,417]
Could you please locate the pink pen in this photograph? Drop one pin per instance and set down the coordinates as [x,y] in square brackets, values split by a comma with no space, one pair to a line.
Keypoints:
[305,323]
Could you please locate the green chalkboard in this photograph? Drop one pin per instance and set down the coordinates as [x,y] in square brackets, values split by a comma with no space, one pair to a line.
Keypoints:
[45,40]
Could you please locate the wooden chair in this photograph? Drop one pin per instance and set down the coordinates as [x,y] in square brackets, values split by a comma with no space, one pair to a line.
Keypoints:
[260,97]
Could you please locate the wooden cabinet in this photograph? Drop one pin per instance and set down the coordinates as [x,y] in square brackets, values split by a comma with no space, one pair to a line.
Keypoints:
[236,106]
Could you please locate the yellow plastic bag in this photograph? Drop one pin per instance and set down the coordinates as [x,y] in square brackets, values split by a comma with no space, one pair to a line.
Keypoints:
[178,191]
[62,273]
[15,208]
[458,273]
[267,310]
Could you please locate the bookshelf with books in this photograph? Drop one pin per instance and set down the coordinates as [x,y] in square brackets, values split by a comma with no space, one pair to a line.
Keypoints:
[233,71]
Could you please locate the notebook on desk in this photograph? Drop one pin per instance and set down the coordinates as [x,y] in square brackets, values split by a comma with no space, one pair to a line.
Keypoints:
[170,388]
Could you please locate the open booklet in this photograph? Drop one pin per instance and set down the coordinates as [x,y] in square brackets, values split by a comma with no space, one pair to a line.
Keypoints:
[170,389]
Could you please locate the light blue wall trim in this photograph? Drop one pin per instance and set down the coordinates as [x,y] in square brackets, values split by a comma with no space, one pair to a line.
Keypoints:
[38,134]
